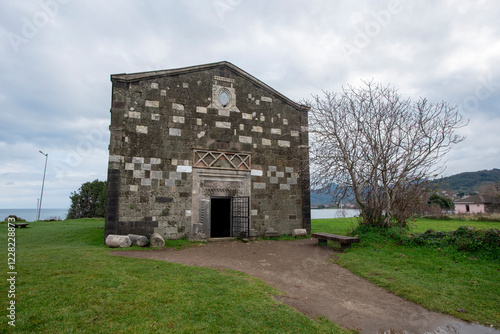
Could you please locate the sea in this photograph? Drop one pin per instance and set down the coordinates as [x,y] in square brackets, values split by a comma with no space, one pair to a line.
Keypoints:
[30,214]
[333,213]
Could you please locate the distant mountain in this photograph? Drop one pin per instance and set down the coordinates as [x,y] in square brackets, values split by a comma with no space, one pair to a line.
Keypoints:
[468,182]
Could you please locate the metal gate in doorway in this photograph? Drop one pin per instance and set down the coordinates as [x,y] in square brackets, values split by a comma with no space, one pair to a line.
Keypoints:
[240,216]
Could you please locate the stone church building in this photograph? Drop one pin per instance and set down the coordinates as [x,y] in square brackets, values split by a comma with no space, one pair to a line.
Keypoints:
[203,152]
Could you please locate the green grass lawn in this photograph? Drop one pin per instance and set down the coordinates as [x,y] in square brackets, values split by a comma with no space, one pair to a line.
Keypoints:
[67,282]
[440,279]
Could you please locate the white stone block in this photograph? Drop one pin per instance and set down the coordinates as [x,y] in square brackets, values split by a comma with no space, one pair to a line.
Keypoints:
[154,85]
[185,85]
[188,213]
[184,169]
[115,158]
[155,117]
[266,142]
[242,127]
[202,110]
[283,143]
[245,139]
[152,104]
[145,182]
[275,131]
[266,99]
[256,172]
[134,187]
[299,232]
[280,174]
[146,166]
[262,118]
[155,161]
[246,116]
[177,106]
[224,125]
[138,174]
[289,169]
[141,129]
[129,166]
[294,133]
[174,132]
[163,92]
[199,121]
[137,160]
[256,128]
[254,212]
[201,134]
[134,114]
[284,187]
[178,119]
[285,121]
[157,174]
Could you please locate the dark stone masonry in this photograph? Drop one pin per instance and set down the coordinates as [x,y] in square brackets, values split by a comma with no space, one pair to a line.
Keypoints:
[205,151]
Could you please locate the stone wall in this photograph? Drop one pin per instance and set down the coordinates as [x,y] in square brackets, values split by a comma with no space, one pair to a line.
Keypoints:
[162,125]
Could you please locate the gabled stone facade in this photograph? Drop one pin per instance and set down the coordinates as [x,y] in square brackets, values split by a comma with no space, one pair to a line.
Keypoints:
[205,151]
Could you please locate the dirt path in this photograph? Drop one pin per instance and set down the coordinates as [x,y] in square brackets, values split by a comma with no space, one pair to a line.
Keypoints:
[316,286]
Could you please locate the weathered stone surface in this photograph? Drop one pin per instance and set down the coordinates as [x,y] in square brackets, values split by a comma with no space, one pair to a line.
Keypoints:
[115,241]
[157,240]
[158,122]
[139,240]
[299,232]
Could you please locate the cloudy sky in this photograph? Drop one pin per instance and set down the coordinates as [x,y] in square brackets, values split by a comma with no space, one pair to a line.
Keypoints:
[57,57]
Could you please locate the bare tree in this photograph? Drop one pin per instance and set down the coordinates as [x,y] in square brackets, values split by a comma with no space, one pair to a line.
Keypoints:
[379,148]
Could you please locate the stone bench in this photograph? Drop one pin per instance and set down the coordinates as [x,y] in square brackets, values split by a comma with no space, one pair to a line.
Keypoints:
[345,242]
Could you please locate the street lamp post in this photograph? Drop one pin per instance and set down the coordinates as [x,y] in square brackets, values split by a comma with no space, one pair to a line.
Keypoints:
[43,182]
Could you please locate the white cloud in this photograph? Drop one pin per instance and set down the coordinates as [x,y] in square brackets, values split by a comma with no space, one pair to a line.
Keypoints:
[55,90]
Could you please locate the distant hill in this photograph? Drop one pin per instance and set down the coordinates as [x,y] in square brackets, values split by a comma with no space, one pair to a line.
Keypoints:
[468,182]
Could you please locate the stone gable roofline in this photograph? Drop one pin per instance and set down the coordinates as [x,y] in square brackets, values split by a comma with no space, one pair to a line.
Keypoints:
[131,77]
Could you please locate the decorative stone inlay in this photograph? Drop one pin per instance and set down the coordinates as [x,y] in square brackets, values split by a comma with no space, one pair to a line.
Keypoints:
[275,131]
[246,116]
[221,160]
[266,99]
[201,110]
